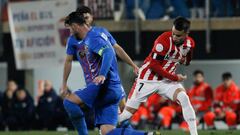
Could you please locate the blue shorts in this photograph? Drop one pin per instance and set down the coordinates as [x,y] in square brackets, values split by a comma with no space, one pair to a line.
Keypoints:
[89,94]
[106,106]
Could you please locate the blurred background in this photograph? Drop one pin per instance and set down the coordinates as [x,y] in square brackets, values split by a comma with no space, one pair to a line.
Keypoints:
[32,50]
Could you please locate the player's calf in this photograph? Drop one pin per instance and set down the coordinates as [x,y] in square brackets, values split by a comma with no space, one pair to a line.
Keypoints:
[76,116]
[188,112]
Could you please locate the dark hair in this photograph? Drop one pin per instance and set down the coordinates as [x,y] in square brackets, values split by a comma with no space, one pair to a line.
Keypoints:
[182,23]
[196,72]
[74,17]
[84,9]
[226,76]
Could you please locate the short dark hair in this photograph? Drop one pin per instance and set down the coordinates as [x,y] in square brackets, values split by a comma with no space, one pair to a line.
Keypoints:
[182,23]
[196,72]
[74,17]
[84,9]
[226,76]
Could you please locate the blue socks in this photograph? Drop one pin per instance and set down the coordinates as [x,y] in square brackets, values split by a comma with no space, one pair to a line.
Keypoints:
[77,116]
[126,131]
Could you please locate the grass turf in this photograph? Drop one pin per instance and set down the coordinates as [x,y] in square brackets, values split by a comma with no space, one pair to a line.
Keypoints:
[170,132]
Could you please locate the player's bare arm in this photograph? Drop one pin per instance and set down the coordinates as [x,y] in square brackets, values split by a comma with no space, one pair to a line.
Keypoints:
[66,72]
[124,56]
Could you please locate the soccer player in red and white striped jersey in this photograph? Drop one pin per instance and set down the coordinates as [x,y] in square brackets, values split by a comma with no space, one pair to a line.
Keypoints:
[157,74]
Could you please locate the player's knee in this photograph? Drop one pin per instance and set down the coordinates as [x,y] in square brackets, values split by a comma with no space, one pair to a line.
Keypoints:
[72,109]
[183,98]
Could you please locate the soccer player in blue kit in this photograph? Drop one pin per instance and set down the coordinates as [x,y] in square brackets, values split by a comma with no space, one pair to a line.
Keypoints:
[103,90]
[86,12]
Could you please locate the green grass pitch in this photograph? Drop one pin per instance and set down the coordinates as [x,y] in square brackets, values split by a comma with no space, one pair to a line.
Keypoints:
[170,132]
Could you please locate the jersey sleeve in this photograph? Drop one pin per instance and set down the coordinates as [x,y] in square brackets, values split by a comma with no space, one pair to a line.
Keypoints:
[69,47]
[98,45]
[110,37]
[192,43]
[188,57]
[161,46]
[103,49]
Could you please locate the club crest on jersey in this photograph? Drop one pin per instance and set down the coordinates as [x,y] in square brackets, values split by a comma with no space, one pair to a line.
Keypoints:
[159,47]
[82,51]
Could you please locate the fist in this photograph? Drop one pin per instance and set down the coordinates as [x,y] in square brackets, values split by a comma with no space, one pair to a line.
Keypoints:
[99,79]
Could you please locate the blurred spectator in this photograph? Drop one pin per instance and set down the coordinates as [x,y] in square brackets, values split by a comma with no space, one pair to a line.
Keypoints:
[47,106]
[238,110]
[222,8]
[180,8]
[61,117]
[24,110]
[146,112]
[171,112]
[163,113]
[201,95]
[141,12]
[197,8]
[101,9]
[157,9]
[139,119]
[166,115]
[225,103]
[7,107]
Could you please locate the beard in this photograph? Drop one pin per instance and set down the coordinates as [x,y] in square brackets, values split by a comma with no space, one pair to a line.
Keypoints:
[76,36]
[178,43]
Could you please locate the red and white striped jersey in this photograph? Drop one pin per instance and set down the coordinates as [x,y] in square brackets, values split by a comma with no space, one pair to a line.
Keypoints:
[168,56]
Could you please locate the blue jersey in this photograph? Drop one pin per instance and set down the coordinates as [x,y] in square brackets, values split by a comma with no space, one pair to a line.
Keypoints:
[89,53]
[72,40]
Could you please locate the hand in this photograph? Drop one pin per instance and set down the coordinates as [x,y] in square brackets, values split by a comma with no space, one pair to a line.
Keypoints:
[181,77]
[99,79]
[183,59]
[64,91]
[135,69]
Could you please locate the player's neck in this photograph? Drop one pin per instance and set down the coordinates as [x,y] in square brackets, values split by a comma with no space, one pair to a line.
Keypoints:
[84,32]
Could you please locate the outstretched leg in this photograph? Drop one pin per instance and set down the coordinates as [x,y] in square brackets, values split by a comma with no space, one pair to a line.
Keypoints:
[187,110]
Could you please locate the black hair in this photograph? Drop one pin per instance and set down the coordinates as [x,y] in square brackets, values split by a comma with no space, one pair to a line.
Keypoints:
[84,9]
[74,17]
[226,76]
[196,72]
[182,23]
